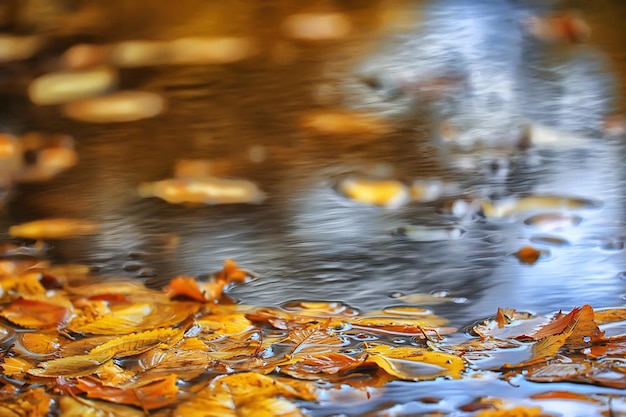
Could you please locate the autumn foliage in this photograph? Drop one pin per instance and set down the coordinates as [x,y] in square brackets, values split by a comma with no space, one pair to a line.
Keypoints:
[119,348]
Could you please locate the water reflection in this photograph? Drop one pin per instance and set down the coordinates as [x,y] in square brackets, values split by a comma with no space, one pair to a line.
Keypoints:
[449,101]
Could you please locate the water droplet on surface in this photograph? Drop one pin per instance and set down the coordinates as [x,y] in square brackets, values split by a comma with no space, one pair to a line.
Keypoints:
[398,294]
[459,300]
[587,339]
[399,340]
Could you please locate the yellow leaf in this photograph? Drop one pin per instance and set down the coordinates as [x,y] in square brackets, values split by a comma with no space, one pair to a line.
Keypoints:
[314,339]
[136,343]
[412,363]
[215,326]
[71,367]
[82,407]
[33,403]
[14,366]
[53,229]
[520,411]
[247,394]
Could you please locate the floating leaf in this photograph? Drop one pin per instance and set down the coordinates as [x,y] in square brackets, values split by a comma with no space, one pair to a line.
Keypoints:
[318,365]
[149,396]
[34,314]
[519,411]
[136,343]
[184,363]
[53,229]
[385,193]
[412,363]
[70,367]
[313,339]
[247,394]
[81,407]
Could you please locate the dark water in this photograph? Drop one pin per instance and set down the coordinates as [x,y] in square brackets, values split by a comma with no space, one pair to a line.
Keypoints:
[305,241]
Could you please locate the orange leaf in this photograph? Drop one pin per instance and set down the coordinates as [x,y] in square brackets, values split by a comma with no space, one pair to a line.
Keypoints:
[34,314]
[231,272]
[153,395]
[185,286]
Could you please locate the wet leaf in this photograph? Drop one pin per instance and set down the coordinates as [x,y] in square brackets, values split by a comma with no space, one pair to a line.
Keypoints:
[318,365]
[149,396]
[385,193]
[81,407]
[136,343]
[33,403]
[313,339]
[34,314]
[71,367]
[53,229]
[247,394]
[519,411]
[15,367]
[412,363]
[529,255]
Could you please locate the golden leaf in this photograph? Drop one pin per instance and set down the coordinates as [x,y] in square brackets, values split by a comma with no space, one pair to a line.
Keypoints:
[136,343]
[412,363]
[71,367]
[519,411]
[111,374]
[81,407]
[128,318]
[53,229]
[609,315]
[13,366]
[313,339]
[218,325]
[33,403]
[247,394]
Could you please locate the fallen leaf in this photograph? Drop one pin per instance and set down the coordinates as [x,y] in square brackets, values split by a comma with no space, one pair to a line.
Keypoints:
[53,229]
[247,394]
[412,363]
[33,314]
[149,396]
[136,343]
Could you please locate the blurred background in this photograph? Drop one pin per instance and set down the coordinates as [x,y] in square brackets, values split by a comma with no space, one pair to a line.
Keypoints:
[379,132]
